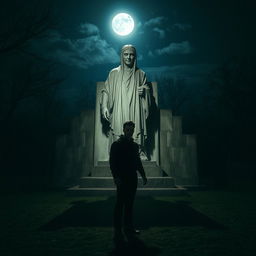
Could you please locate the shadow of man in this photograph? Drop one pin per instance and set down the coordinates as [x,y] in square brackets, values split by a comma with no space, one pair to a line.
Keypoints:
[133,246]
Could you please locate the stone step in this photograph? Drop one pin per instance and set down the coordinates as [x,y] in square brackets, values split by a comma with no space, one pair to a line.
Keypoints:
[107,182]
[77,191]
[150,167]
[101,171]
[144,163]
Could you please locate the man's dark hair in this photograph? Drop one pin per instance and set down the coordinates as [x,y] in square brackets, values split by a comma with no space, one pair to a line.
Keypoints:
[129,123]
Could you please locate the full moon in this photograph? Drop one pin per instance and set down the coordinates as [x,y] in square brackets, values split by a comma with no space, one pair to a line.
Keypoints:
[123,24]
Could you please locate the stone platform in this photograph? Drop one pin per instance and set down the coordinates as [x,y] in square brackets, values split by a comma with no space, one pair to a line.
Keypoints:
[104,186]
[100,183]
[82,154]
[102,169]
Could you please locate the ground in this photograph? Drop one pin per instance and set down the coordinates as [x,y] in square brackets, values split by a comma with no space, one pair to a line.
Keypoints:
[199,223]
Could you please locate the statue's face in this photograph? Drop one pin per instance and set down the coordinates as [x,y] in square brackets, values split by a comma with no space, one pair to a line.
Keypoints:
[129,57]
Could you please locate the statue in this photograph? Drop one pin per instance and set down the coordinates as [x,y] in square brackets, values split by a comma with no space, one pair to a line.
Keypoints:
[126,97]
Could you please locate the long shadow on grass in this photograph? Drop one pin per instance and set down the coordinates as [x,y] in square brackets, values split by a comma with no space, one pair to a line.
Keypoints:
[135,247]
[148,212]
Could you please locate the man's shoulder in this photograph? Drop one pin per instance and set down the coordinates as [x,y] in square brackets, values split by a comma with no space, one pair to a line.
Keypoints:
[122,141]
[119,141]
[116,143]
[136,145]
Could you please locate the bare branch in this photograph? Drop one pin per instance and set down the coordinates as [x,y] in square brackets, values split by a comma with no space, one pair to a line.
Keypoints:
[29,23]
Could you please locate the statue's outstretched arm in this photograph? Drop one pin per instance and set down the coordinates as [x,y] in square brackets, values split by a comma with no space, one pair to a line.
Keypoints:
[104,108]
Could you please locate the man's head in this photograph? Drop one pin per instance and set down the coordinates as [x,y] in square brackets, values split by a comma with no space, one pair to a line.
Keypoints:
[128,128]
[128,55]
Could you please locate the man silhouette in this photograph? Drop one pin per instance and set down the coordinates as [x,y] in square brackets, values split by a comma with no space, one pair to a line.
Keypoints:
[124,163]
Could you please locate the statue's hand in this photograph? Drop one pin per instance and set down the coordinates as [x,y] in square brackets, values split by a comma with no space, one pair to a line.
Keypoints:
[140,90]
[105,113]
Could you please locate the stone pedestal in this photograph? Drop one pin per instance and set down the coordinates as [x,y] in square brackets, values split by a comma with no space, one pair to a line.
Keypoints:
[82,156]
[152,169]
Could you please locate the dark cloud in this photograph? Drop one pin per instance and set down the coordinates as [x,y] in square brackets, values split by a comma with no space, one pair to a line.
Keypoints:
[150,54]
[140,57]
[139,28]
[88,29]
[183,27]
[82,52]
[153,25]
[154,21]
[191,73]
[173,48]
[160,32]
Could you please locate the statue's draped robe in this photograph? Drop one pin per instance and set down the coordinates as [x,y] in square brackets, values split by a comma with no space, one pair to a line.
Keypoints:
[125,103]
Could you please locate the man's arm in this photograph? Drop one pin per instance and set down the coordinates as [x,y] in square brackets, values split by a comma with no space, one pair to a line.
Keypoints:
[140,167]
[113,163]
[113,160]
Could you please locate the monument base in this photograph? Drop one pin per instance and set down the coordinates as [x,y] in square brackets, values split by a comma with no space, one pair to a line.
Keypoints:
[102,169]
[82,156]
[100,182]
[104,186]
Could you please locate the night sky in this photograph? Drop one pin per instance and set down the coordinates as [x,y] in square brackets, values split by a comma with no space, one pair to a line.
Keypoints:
[183,41]
[183,38]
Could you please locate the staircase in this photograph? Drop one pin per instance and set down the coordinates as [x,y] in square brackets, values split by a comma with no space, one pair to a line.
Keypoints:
[100,182]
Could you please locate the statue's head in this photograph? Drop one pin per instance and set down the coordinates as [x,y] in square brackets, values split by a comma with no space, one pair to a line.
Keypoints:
[128,55]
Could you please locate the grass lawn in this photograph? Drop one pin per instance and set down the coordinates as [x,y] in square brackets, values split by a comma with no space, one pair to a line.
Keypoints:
[200,223]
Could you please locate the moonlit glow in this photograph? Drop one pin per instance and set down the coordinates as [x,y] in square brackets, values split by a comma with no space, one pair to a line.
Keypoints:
[123,24]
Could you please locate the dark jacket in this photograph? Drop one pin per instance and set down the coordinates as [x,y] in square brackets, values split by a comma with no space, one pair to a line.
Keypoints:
[124,159]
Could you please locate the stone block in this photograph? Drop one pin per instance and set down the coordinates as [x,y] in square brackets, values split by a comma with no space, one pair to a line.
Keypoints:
[166,123]
[184,165]
[175,139]
[87,120]
[177,124]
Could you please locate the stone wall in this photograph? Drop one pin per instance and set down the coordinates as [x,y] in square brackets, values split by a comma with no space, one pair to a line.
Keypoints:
[178,152]
[74,151]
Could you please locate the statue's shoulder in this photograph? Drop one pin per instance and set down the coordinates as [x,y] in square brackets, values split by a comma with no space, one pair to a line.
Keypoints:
[140,71]
[114,71]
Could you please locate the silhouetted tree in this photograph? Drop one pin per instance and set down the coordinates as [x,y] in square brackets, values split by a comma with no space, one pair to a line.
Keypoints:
[173,93]
[228,119]
[234,88]
[22,21]
[25,79]
[85,98]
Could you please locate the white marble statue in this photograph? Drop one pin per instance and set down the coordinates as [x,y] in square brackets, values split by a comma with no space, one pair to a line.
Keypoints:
[126,97]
